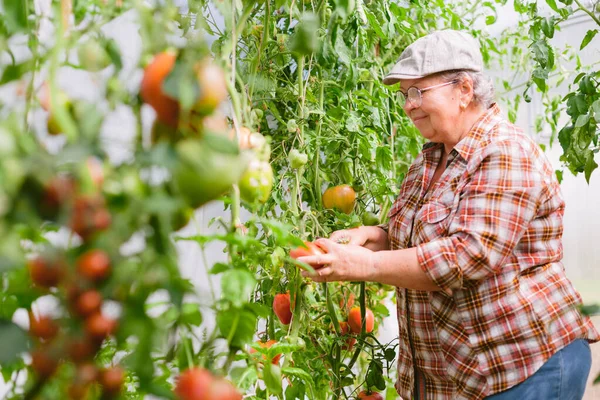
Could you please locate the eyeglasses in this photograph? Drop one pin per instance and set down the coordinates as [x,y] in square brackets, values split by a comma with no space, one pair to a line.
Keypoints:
[414,95]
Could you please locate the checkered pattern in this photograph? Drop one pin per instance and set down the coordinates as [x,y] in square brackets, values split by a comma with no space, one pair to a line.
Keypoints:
[488,233]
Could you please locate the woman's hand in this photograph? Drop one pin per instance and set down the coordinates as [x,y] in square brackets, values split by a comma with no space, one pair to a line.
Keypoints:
[354,236]
[371,237]
[341,262]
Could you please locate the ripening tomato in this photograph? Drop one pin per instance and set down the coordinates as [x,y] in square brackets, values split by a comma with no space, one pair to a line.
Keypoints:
[364,395]
[87,303]
[309,249]
[43,362]
[85,374]
[340,197]
[42,327]
[95,171]
[256,182]
[80,349]
[247,139]
[345,330]
[346,302]
[199,384]
[89,216]
[58,192]
[267,345]
[282,308]
[111,380]
[354,320]
[46,272]
[213,87]
[99,327]
[167,108]
[94,265]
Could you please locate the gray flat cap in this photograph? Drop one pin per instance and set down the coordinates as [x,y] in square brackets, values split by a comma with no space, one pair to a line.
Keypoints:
[439,51]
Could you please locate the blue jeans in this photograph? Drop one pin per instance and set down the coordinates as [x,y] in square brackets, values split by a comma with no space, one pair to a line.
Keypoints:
[562,377]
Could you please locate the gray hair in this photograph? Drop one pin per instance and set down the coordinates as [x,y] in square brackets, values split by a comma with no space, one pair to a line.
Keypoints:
[484,93]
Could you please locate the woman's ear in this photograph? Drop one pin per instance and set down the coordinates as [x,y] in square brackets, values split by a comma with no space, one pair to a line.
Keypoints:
[466,91]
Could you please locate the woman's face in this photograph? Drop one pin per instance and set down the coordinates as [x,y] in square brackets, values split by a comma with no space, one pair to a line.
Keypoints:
[437,118]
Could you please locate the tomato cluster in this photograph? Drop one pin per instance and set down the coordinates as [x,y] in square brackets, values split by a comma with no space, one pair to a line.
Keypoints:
[76,276]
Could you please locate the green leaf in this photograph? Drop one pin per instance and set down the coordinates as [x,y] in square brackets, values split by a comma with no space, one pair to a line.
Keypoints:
[559,176]
[590,165]
[16,71]
[374,23]
[588,38]
[590,309]
[596,109]
[540,49]
[190,314]
[244,377]
[490,19]
[582,120]
[552,5]
[16,14]
[548,27]
[353,123]
[236,326]
[237,286]
[272,378]
[219,268]
[13,341]
[576,105]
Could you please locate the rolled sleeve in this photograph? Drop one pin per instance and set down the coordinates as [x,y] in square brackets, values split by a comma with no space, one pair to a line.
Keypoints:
[496,206]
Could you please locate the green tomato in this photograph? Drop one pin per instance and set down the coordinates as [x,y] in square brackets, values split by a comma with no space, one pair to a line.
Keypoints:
[297,159]
[292,126]
[92,56]
[370,219]
[257,182]
[207,168]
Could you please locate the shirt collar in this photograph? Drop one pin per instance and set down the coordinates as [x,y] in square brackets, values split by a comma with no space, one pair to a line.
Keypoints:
[467,146]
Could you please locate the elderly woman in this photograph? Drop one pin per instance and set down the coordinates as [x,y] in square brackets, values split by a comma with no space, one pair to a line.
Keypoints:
[473,245]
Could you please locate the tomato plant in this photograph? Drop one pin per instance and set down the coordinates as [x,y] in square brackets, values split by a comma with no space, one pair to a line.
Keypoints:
[282,118]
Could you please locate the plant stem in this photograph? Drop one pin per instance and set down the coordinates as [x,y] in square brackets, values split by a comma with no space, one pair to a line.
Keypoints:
[588,12]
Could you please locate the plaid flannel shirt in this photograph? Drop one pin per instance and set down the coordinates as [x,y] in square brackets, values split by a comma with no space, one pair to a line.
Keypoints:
[488,233]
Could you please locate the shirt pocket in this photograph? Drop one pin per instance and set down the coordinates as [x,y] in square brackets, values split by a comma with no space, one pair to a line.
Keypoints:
[432,221]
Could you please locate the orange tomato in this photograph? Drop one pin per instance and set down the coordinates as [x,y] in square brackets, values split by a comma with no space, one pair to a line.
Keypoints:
[354,320]
[340,197]
[94,265]
[167,108]
[267,345]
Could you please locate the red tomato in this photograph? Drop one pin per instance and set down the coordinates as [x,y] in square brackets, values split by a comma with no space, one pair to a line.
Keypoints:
[88,303]
[282,308]
[99,327]
[309,249]
[112,380]
[46,273]
[340,197]
[369,396]
[43,363]
[267,345]
[200,384]
[42,327]
[94,265]
[80,349]
[355,322]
